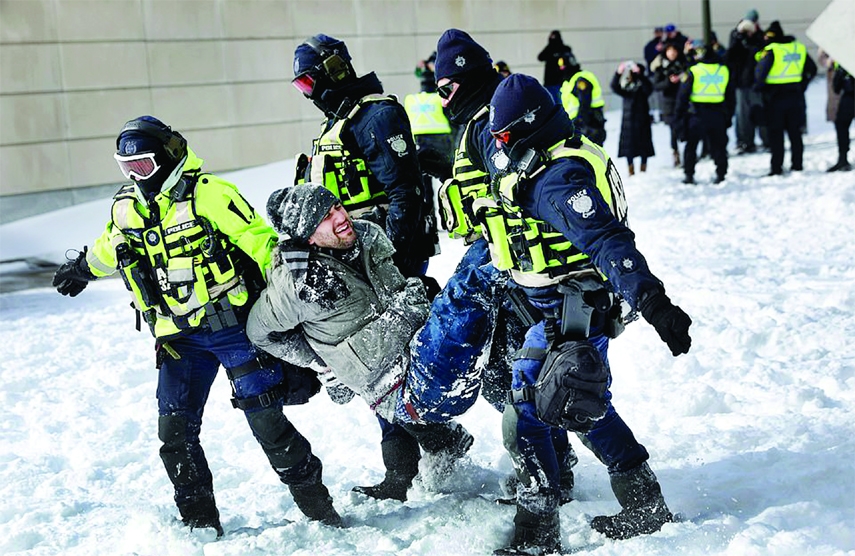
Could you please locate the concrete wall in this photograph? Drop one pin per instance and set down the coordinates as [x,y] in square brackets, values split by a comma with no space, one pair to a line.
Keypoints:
[73,71]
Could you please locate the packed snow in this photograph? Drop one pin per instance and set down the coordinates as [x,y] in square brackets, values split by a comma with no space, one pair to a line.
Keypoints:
[752,434]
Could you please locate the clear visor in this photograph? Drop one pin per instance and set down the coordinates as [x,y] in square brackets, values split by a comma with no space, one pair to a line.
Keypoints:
[137,166]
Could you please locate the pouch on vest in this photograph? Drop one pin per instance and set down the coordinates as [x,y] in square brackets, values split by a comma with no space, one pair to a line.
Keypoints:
[569,392]
[181,276]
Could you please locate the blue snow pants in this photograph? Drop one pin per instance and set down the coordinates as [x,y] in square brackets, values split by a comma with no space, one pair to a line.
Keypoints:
[531,442]
[182,391]
[443,379]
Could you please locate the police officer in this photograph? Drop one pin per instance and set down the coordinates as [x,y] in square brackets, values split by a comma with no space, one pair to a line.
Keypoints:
[365,153]
[582,98]
[193,252]
[705,104]
[431,128]
[466,85]
[367,157]
[557,223]
[433,133]
[784,70]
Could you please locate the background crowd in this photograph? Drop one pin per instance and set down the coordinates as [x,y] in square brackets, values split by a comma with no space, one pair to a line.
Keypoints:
[760,108]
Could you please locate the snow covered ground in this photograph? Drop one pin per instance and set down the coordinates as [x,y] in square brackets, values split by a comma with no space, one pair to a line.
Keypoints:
[752,434]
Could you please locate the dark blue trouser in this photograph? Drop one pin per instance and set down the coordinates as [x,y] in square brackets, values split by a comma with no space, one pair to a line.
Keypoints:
[443,381]
[610,439]
[182,391]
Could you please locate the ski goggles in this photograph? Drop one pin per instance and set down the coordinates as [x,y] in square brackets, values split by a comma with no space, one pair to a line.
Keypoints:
[137,166]
[304,83]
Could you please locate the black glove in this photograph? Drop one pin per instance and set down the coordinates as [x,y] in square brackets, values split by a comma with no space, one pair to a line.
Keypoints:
[671,322]
[432,287]
[71,278]
[434,163]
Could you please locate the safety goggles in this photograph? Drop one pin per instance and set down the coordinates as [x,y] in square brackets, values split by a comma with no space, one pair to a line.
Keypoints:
[501,136]
[304,83]
[504,135]
[137,166]
[447,90]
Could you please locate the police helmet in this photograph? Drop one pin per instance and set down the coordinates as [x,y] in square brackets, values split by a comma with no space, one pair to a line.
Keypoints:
[321,62]
[148,152]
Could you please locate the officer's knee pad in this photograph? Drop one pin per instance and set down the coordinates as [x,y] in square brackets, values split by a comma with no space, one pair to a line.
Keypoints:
[171,429]
[270,425]
[175,453]
[569,392]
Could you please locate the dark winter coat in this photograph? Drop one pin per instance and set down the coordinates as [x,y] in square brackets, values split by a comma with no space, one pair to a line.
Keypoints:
[636,137]
[739,58]
[554,51]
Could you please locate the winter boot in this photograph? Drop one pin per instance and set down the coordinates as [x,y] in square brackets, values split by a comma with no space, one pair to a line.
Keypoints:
[534,535]
[643,166]
[444,444]
[841,166]
[676,158]
[631,169]
[644,510]
[200,512]
[401,458]
[315,502]
[568,480]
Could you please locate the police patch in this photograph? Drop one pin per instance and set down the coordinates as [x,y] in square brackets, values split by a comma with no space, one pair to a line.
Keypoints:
[398,144]
[582,203]
[152,238]
[500,160]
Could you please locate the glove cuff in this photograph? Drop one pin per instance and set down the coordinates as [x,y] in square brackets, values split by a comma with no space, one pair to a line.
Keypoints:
[651,303]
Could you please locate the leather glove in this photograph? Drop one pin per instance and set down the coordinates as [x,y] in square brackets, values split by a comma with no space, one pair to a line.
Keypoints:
[671,322]
[72,277]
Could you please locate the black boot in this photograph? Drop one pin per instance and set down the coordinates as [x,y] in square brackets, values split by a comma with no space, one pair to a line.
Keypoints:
[444,444]
[315,502]
[534,535]
[200,512]
[401,458]
[841,166]
[568,480]
[644,510]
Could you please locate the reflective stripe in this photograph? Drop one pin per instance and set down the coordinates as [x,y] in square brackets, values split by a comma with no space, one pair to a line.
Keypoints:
[709,83]
[338,170]
[788,64]
[569,100]
[531,249]
[470,184]
[424,111]
[184,266]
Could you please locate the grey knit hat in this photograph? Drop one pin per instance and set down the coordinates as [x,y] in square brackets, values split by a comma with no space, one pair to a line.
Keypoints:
[297,211]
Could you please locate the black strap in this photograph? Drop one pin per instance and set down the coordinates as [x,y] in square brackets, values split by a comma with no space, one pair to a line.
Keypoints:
[266,399]
[244,369]
[538,354]
[525,394]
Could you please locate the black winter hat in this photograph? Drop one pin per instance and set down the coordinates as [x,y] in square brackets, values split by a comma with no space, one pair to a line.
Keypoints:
[775,31]
[297,210]
[520,104]
[457,53]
